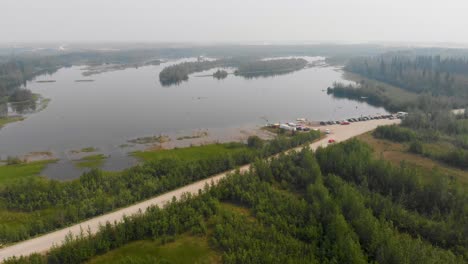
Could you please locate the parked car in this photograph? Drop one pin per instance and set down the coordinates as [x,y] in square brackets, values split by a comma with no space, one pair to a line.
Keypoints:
[286,127]
[345,123]
[305,129]
[322,123]
[327,131]
[331,140]
[330,122]
[299,128]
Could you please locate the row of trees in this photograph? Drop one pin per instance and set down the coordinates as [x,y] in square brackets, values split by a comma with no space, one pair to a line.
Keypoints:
[294,211]
[365,93]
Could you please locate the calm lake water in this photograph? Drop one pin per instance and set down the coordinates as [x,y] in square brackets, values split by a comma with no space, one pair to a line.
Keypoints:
[131,103]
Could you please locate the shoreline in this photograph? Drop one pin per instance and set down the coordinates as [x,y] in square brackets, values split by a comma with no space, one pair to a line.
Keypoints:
[44,242]
[41,104]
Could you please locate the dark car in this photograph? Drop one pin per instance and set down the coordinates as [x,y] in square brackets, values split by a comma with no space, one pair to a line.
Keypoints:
[322,123]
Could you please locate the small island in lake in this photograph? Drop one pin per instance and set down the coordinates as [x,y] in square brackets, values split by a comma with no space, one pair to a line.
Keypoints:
[220,74]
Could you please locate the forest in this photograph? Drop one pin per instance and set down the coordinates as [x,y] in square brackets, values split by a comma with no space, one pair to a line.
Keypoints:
[420,74]
[45,205]
[337,205]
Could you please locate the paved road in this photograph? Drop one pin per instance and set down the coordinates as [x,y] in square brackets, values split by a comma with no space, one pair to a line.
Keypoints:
[45,242]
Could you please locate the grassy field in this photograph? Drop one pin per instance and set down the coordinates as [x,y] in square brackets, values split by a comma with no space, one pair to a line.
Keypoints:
[11,173]
[185,249]
[192,153]
[6,120]
[91,161]
[394,93]
[397,153]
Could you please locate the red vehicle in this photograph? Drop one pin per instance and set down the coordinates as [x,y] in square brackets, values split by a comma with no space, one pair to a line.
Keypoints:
[331,140]
[345,123]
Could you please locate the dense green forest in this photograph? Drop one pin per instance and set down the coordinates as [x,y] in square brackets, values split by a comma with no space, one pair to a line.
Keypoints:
[421,74]
[34,206]
[338,205]
[436,85]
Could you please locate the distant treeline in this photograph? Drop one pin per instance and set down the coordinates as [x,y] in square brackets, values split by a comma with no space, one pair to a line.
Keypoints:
[364,93]
[338,205]
[246,67]
[421,74]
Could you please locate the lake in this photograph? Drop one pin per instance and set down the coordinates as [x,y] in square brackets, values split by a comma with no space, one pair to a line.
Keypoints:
[122,105]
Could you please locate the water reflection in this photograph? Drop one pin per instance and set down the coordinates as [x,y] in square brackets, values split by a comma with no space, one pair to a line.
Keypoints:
[22,108]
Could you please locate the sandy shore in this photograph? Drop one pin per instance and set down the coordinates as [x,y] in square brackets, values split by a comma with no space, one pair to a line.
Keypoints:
[45,242]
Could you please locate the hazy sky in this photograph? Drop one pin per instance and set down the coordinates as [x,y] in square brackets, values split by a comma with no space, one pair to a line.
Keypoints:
[234,20]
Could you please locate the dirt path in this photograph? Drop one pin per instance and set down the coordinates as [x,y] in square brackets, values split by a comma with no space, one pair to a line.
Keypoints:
[45,242]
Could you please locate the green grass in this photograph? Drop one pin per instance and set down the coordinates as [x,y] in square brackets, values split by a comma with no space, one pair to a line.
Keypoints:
[192,153]
[89,149]
[8,175]
[397,153]
[86,150]
[6,120]
[92,161]
[11,173]
[185,249]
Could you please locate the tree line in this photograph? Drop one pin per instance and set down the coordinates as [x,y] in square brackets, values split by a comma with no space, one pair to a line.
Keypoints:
[419,74]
